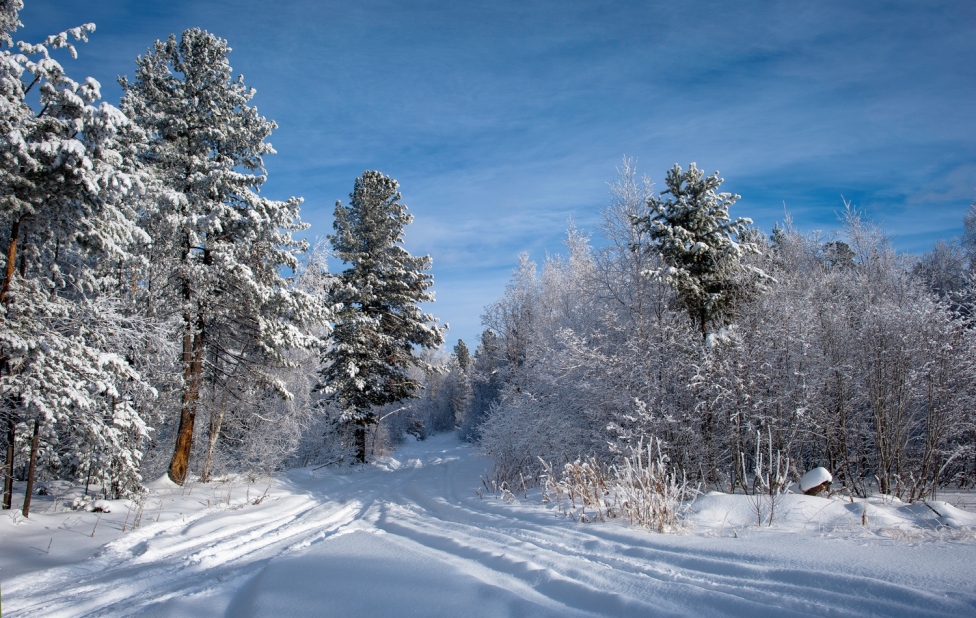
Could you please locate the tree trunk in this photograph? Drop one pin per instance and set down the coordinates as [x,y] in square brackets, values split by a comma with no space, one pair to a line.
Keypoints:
[711,475]
[8,482]
[11,258]
[361,441]
[88,478]
[31,467]
[192,372]
[215,421]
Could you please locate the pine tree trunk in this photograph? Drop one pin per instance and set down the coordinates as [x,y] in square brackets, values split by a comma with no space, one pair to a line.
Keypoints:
[8,482]
[192,372]
[215,422]
[361,441]
[31,467]
[88,477]
[11,258]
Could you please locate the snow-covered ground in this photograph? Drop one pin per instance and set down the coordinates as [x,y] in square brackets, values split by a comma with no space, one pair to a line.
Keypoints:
[410,536]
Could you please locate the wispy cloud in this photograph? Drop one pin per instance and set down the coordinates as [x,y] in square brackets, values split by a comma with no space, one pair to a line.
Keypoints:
[503,119]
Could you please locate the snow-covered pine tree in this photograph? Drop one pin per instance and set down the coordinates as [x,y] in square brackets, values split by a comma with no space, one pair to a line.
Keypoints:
[513,317]
[463,354]
[9,20]
[63,212]
[457,384]
[219,248]
[701,245]
[380,322]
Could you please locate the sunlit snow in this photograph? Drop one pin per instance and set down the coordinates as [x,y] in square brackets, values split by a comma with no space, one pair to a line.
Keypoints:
[410,536]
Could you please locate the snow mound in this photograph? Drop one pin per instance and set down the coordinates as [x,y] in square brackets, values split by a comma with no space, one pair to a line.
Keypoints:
[798,513]
[162,483]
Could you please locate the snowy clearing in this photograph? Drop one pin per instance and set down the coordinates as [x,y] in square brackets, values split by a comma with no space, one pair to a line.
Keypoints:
[410,536]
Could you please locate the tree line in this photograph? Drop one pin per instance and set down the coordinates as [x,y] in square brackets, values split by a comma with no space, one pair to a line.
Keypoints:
[738,351]
[148,283]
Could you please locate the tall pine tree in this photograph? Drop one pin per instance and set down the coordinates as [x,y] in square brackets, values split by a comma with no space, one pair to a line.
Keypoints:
[219,248]
[380,322]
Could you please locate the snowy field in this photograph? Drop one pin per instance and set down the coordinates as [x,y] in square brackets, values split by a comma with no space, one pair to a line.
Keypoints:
[410,536]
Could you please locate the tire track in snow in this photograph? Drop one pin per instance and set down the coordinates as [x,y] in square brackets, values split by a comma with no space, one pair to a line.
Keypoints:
[139,570]
[423,503]
[623,578]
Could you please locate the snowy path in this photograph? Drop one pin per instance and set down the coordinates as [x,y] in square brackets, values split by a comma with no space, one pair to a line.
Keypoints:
[410,537]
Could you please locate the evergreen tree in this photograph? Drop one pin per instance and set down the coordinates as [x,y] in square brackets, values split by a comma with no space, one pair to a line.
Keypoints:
[838,254]
[701,245]
[462,354]
[9,20]
[380,322]
[486,380]
[219,248]
[943,271]
[513,317]
[64,194]
[458,386]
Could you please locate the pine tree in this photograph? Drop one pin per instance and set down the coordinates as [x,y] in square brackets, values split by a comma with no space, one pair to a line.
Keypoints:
[513,317]
[462,354]
[380,322]
[65,210]
[486,375]
[458,387]
[219,248]
[9,20]
[701,245]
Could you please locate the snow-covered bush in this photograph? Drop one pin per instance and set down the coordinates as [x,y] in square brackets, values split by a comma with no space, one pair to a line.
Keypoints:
[522,431]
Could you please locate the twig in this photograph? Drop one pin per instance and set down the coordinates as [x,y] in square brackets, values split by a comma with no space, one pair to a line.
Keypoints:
[328,463]
[263,496]
[932,508]
[126,522]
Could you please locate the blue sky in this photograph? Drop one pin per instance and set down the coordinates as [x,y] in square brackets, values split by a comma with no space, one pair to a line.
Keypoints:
[502,120]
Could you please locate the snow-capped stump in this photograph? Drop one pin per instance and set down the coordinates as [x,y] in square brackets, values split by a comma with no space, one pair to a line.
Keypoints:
[816,481]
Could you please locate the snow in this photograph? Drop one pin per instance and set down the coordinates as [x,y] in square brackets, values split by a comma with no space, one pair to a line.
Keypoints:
[817,476]
[884,516]
[411,536]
